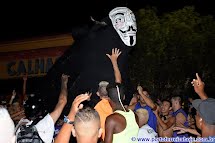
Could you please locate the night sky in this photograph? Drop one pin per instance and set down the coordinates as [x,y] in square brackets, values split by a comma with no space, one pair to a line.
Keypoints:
[23,20]
[20,20]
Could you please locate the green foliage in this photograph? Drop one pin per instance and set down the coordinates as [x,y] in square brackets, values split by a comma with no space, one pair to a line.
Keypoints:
[171,48]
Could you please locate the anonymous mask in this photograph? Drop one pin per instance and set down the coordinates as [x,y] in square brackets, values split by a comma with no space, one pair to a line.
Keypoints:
[124,23]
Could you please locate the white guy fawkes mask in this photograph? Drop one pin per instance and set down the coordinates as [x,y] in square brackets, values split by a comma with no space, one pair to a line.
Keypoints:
[124,22]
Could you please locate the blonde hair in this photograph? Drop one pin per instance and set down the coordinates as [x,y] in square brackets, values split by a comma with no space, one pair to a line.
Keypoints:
[143,114]
[103,88]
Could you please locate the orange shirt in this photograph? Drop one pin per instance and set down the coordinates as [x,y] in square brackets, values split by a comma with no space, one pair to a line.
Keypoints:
[104,109]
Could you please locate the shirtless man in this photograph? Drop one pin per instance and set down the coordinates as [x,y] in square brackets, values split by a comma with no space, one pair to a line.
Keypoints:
[165,121]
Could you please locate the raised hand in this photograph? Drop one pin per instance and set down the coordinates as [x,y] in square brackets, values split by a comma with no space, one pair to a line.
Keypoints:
[25,77]
[64,78]
[140,89]
[115,54]
[89,94]
[76,105]
[157,111]
[12,97]
[14,93]
[113,57]
[199,86]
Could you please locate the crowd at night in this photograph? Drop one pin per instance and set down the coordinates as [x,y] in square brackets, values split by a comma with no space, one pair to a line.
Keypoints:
[137,73]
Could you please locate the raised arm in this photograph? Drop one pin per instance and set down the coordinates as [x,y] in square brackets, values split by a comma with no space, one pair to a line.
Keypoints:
[62,100]
[65,131]
[163,125]
[113,57]
[25,78]
[12,97]
[148,101]
[199,86]
[133,102]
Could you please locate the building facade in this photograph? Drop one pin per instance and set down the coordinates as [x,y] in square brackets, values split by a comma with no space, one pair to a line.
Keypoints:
[33,56]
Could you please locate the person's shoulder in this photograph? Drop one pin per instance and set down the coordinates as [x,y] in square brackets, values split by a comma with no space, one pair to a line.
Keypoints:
[180,115]
[45,128]
[146,129]
[142,131]
[45,120]
[143,128]
[115,117]
[146,126]
[100,103]
[110,120]
[148,109]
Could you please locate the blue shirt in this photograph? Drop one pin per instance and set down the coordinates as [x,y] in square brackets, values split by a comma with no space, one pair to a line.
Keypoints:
[57,130]
[186,124]
[152,122]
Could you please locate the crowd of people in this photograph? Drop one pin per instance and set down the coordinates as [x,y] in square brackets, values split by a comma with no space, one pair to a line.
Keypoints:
[25,119]
[110,121]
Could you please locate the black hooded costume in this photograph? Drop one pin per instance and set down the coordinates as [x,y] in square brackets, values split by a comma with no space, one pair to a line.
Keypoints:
[87,64]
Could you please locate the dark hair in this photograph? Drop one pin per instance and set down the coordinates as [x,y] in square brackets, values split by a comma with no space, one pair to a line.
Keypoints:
[145,89]
[177,95]
[113,93]
[167,100]
[34,107]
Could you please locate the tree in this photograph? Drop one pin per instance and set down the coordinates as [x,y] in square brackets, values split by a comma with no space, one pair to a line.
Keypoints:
[171,48]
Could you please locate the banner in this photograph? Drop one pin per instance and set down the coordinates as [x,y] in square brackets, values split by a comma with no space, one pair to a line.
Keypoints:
[35,62]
